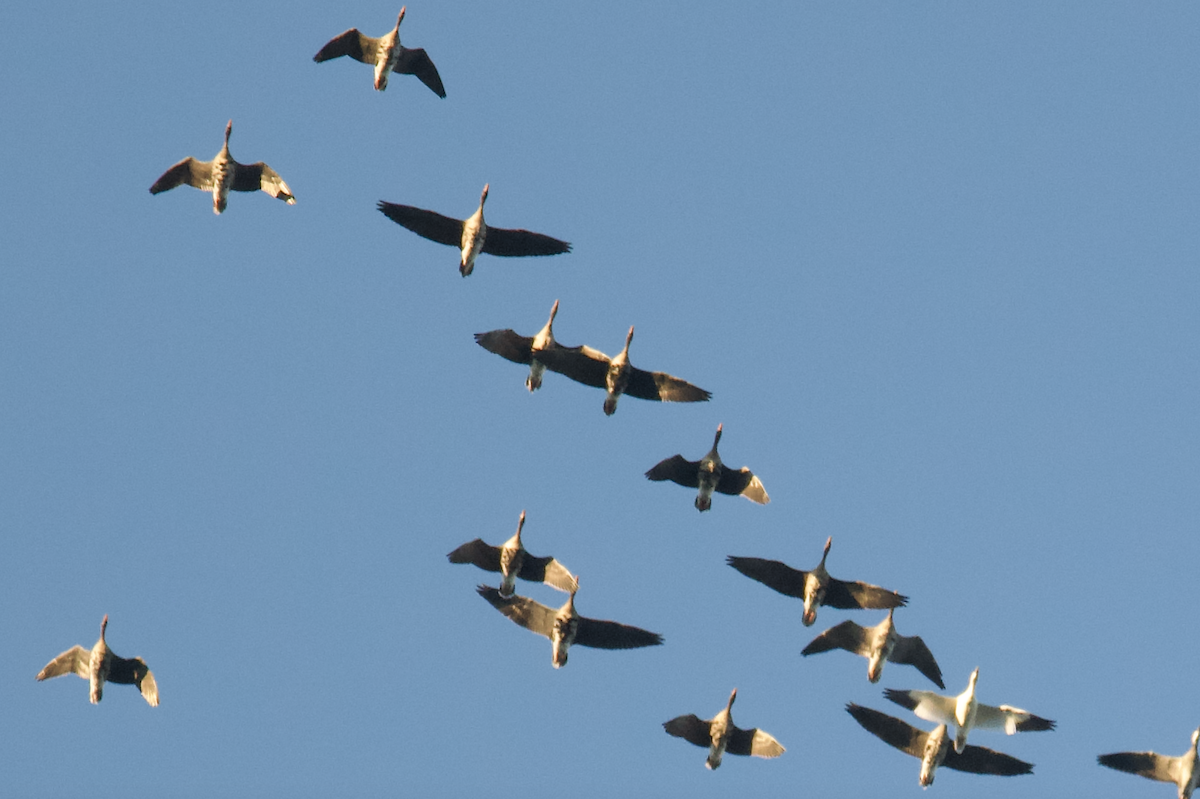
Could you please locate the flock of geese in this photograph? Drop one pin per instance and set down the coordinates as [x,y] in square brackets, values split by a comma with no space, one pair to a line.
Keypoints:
[564,626]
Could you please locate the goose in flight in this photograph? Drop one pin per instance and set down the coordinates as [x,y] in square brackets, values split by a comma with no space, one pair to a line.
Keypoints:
[617,376]
[816,587]
[1183,771]
[513,561]
[221,175]
[386,55]
[100,664]
[878,645]
[934,748]
[966,713]
[472,235]
[565,627]
[710,474]
[720,736]
[523,349]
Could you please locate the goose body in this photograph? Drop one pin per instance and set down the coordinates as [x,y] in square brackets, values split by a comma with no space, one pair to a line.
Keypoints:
[878,645]
[472,235]
[386,55]
[565,627]
[512,561]
[523,349]
[719,735]
[223,174]
[966,713]
[1182,771]
[935,748]
[816,587]
[100,665]
[709,474]
[617,376]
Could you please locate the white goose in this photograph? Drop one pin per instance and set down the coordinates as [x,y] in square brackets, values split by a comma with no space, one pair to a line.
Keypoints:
[709,474]
[472,235]
[720,736]
[934,748]
[221,175]
[99,665]
[1183,771]
[386,55]
[878,645]
[966,713]
[512,560]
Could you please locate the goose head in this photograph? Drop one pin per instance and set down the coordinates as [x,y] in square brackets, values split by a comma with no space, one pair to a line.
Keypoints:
[717,438]
[228,130]
[400,18]
[732,698]
[1195,738]
[103,626]
[483,195]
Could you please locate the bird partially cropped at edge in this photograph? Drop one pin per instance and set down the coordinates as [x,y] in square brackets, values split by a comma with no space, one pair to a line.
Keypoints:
[709,474]
[512,560]
[223,174]
[816,587]
[386,55]
[967,713]
[1183,771]
[617,376]
[935,749]
[512,346]
[565,627]
[99,665]
[720,736]
[472,235]
[878,645]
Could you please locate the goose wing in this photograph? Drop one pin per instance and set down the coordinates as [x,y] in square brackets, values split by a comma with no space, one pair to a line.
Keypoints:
[1145,764]
[426,224]
[533,616]
[252,177]
[852,595]
[133,671]
[507,243]
[771,573]
[677,469]
[611,635]
[661,386]
[483,555]
[981,760]
[892,731]
[1010,719]
[911,650]
[548,571]
[507,344]
[847,635]
[416,62]
[75,660]
[189,171]
[351,43]
[927,705]
[690,728]
[753,742]
[582,364]
[742,481]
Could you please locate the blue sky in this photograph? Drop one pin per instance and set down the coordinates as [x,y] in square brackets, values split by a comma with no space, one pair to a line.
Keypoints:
[936,262]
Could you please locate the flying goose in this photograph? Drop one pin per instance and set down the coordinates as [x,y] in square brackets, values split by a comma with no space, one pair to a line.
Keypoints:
[473,235]
[709,474]
[720,735]
[1184,770]
[966,713]
[513,561]
[934,749]
[100,664]
[878,644]
[523,349]
[816,587]
[385,54]
[221,175]
[617,376]
[565,627]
